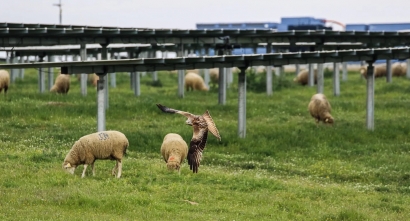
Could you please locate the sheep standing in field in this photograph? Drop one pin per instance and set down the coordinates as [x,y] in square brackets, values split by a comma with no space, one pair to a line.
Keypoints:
[103,145]
[319,107]
[195,82]
[174,150]
[62,84]
[303,77]
[4,81]
[398,69]
[378,71]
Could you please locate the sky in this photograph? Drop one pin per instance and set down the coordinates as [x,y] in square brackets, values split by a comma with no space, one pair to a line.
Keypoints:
[185,14]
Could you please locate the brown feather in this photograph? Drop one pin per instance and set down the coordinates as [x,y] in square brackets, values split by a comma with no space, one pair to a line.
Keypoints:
[211,125]
[197,146]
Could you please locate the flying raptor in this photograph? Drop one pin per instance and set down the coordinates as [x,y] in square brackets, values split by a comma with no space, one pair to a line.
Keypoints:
[201,125]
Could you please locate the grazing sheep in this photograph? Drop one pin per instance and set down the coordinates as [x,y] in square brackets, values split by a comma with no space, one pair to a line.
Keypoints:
[195,82]
[102,145]
[319,107]
[303,77]
[62,84]
[4,81]
[398,69]
[174,150]
[378,71]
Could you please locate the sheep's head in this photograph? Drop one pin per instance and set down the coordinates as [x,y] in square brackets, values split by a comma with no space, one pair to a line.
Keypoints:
[68,167]
[329,120]
[173,165]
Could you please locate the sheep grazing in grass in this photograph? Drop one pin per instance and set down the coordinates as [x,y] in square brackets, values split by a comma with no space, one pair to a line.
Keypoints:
[102,145]
[196,71]
[303,77]
[4,81]
[195,82]
[62,84]
[319,107]
[378,71]
[174,150]
[398,69]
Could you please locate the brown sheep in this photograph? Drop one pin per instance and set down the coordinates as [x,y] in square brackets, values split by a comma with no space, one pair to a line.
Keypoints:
[379,71]
[303,77]
[4,81]
[319,107]
[62,84]
[398,69]
[195,82]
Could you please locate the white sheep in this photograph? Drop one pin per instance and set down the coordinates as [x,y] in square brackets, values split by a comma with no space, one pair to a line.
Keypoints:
[195,82]
[4,81]
[319,107]
[174,150]
[102,145]
[62,84]
[303,77]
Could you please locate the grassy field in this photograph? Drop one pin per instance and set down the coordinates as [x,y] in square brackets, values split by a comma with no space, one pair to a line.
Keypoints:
[286,168]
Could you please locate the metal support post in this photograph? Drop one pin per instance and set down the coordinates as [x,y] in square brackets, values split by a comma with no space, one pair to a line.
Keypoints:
[242,103]
[104,56]
[269,79]
[320,78]
[41,78]
[84,76]
[311,75]
[181,74]
[370,97]
[101,102]
[336,79]
[388,71]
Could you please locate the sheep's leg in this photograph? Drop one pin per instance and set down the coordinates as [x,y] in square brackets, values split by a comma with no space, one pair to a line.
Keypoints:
[85,168]
[115,168]
[119,166]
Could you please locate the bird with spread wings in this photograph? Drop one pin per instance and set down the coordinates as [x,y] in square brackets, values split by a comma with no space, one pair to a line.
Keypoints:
[201,125]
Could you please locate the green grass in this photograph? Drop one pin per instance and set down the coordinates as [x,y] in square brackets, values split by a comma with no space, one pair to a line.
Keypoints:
[286,168]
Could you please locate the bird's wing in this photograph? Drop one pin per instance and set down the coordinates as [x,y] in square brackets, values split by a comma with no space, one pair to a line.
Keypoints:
[174,111]
[196,148]
[211,125]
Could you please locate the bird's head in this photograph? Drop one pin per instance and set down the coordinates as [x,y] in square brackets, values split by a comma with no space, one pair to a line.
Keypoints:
[188,122]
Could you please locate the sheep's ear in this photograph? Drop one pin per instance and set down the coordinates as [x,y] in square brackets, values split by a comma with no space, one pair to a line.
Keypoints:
[68,165]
